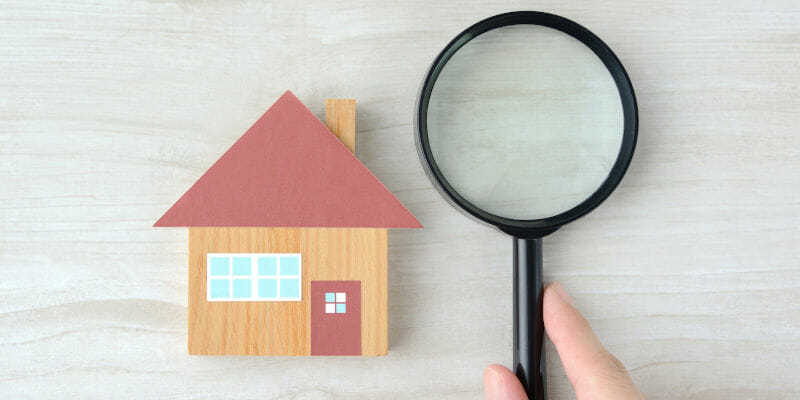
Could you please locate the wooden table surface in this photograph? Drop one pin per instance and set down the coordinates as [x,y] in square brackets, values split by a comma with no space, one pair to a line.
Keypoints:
[110,110]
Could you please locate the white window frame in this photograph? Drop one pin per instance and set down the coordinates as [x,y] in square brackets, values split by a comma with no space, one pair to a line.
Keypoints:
[338,298]
[254,276]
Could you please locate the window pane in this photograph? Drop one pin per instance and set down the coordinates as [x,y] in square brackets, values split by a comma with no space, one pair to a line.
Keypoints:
[340,308]
[330,297]
[241,288]
[241,266]
[290,288]
[267,266]
[219,266]
[268,288]
[330,308]
[290,265]
[220,288]
[341,297]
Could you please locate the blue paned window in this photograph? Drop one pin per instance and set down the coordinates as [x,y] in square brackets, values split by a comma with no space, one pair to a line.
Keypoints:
[254,277]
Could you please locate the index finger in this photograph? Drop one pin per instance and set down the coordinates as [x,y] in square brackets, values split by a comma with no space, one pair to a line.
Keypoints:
[594,372]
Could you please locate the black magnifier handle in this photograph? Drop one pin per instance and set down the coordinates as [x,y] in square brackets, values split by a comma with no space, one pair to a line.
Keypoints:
[529,357]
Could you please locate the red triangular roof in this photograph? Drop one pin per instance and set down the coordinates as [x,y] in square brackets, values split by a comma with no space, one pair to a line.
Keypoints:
[288,170]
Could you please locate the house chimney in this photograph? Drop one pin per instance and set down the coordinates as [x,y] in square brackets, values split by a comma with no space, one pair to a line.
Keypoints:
[340,118]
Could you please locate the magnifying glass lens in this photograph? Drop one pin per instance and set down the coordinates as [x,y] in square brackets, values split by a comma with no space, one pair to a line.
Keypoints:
[525,122]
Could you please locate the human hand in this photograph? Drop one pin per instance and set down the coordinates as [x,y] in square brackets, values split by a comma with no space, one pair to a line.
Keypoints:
[594,372]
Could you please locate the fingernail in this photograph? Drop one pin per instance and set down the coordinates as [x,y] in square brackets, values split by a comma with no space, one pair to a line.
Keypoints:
[491,383]
[561,292]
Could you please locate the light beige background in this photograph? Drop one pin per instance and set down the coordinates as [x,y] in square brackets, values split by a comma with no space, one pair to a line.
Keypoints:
[109,111]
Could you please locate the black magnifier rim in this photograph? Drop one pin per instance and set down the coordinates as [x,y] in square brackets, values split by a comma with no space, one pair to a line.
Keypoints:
[534,227]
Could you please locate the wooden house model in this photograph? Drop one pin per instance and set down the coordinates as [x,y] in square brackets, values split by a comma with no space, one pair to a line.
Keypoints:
[288,241]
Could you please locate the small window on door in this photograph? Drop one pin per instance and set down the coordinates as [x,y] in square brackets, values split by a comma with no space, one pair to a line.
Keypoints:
[335,303]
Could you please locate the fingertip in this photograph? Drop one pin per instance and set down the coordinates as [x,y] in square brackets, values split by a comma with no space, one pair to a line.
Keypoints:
[501,384]
[590,368]
[489,374]
[561,292]
[557,305]
[493,370]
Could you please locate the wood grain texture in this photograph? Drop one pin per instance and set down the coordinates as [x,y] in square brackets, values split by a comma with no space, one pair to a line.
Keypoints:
[110,110]
[363,252]
[244,328]
[282,327]
[340,118]
[369,247]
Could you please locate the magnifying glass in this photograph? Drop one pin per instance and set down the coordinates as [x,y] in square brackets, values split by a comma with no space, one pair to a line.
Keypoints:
[526,121]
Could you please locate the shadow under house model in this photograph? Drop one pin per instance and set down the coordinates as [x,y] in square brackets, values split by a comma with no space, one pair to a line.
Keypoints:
[287,241]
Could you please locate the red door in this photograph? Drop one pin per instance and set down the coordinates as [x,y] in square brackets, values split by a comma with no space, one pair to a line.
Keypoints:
[335,318]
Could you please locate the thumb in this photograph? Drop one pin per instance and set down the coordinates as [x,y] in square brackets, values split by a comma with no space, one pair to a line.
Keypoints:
[594,372]
[501,384]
